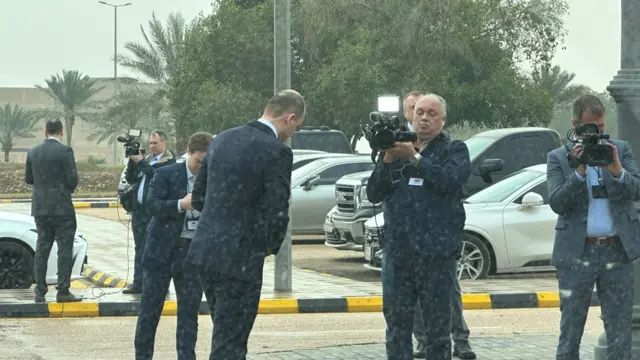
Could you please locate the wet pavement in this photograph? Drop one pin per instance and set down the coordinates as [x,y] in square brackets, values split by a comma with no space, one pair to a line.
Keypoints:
[495,335]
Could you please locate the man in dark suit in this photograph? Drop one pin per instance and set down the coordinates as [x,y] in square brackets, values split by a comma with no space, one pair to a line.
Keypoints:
[596,236]
[169,234]
[51,169]
[140,170]
[244,199]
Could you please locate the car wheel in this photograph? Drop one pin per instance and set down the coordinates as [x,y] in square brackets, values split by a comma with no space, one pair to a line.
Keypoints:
[475,262]
[16,266]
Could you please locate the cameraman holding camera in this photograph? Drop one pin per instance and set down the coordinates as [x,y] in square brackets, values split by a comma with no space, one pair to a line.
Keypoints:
[421,185]
[595,241]
[140,170]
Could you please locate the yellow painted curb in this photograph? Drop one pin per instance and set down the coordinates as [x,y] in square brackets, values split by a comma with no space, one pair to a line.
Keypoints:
[170,308]
[364,304]
[278,306]
[114,205]
[81,205]
[548,299]
[79,309]
[476,301]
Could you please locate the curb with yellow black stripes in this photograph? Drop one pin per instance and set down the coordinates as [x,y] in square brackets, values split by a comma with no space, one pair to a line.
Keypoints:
[76,204]
[109,308]
[102,279]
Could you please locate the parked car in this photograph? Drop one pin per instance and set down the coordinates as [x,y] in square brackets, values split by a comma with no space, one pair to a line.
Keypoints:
[313,189]
[18,236]
[320,138]
[509,228]
[494,155]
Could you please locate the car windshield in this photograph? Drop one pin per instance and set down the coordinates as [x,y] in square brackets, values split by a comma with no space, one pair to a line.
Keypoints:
[500,191]
[477,144]
[301,172]
[334,142]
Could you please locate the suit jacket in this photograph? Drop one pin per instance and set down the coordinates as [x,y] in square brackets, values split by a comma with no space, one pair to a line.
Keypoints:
[569,198]
[427,218]
[134,170]
[168,186]
[242,191]
[51,169]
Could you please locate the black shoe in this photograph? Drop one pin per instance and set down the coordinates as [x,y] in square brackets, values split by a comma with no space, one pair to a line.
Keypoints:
[133,289]
[420,352]
[66,297]
[40,299]
[463,351]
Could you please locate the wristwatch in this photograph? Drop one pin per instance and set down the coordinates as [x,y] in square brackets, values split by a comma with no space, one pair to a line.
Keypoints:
[415,159]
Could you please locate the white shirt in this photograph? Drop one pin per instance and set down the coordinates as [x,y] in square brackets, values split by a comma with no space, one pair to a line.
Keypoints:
[270,125]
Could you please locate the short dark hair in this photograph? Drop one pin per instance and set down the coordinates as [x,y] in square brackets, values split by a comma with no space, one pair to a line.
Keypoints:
[286,101]
[161,134]
[53,127]
[199,142]
[587,102]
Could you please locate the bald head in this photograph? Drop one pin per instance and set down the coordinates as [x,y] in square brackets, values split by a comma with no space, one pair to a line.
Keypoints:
[286,112]
[429,116]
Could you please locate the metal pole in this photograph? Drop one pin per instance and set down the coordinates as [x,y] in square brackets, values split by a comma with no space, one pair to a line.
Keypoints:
[282,81]
[115,73]
[115,63]
[625,89]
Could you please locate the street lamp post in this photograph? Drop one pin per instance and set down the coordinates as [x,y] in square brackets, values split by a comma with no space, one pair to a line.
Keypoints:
[115,62]
[625,89]
[282,81]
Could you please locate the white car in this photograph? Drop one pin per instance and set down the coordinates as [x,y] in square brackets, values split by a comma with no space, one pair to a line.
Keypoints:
[18,236]
[509,228]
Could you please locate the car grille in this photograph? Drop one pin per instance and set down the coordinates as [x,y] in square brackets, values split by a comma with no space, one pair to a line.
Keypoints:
[372,238]
[345,198]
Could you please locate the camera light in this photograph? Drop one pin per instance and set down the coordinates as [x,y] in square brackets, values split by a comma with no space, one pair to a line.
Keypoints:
[389,104]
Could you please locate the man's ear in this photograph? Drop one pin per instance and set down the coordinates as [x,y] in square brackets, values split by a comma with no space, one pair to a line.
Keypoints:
[574,122]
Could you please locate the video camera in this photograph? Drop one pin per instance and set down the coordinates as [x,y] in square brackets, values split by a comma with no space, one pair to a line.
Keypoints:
[594,153]
[131,145]
[386,128]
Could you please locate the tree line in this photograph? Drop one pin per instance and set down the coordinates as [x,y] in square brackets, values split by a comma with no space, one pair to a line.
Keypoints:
[216,71]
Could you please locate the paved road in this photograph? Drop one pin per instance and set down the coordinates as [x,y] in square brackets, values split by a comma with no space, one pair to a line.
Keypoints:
[496,334]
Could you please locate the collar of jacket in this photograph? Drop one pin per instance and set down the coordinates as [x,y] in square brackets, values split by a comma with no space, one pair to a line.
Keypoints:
[166,156]
[441,139]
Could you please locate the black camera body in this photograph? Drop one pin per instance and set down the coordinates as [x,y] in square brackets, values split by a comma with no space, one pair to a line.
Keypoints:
[386,130]
[131,145]
[593,153]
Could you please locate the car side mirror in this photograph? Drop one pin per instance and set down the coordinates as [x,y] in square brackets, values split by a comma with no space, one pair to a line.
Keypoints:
[489,166]
[530,200]
[309,184]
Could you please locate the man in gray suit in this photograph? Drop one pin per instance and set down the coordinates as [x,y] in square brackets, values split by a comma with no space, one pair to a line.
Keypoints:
[51,169]
[595,240]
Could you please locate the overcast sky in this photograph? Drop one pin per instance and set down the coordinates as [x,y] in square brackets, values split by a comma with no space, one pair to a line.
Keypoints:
[42,37]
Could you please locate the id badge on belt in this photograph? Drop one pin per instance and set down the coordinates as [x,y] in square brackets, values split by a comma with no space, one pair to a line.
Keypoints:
[192,220]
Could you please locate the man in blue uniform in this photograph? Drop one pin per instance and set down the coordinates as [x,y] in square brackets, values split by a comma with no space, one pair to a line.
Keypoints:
[421,186]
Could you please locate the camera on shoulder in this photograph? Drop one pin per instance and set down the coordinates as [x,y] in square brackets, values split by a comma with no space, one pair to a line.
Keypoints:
[594,153]
[131,143]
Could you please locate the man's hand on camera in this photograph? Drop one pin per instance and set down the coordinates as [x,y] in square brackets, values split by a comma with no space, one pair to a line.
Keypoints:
[577,151]
[185,203]
[136,158]
[402,150]
[615,168]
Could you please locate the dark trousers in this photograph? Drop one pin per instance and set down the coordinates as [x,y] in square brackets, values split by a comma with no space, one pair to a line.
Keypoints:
[154,291]
[233,304]
[609,268]
[140,219]
[406,280]
[62,230]
[459,329]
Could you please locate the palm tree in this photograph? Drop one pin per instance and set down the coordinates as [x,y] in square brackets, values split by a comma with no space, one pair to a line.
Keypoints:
[157,57]
[15,123]
[557,82]
[134,108]
[72,93]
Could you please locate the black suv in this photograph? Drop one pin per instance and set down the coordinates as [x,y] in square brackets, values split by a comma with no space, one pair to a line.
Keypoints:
[321,138]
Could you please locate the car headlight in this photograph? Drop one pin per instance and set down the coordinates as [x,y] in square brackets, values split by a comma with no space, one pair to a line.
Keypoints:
[363,194]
